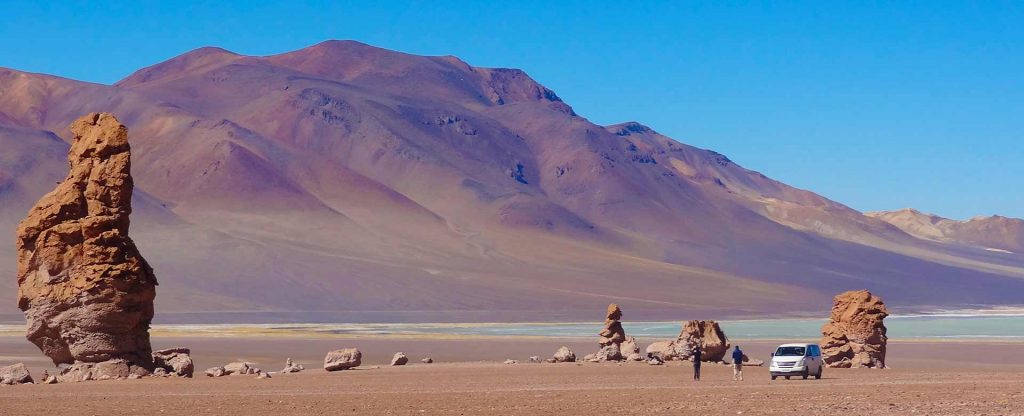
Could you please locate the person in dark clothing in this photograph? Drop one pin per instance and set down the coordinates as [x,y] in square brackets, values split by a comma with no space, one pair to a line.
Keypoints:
[696,363]
[737,364]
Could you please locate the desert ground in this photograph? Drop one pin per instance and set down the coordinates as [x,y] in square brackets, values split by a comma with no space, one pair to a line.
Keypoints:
[468,378]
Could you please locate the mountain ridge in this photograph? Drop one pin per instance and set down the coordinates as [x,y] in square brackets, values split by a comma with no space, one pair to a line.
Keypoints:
[348,177]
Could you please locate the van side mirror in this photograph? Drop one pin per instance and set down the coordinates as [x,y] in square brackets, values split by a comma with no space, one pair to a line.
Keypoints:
[773,354]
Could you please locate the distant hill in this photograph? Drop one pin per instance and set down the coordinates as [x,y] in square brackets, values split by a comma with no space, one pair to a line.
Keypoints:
[348,178]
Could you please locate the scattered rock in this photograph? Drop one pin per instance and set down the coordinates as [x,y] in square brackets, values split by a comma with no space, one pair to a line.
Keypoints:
[111,369]
[855,335]
[608,353]
[342,359]
[49,379]
[86,291]
[534,359]
[175,361]
[216,372]
[427,360]
[564,355]
[655,361]
[399,359]
[291,367]
[263,375]
[16,374]
[511,361]
[241,368]
[629,348]
[753,363]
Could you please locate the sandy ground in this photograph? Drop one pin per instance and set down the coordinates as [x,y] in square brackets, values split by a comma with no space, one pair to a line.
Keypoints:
[929,378]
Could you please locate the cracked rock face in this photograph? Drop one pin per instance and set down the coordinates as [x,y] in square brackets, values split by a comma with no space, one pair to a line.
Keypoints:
[86,291]
[855,335]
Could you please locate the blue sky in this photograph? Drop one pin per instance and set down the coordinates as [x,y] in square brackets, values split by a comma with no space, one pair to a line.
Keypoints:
[879,105]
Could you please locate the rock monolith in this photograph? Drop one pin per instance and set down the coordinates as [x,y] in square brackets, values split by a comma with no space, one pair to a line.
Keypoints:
[855,333]
[610,338]
[86,291]
[707,334]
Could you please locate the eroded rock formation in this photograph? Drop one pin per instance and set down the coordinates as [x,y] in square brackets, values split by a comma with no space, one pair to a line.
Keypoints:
[707,334]
[855,334]
[611,337]
[86,291]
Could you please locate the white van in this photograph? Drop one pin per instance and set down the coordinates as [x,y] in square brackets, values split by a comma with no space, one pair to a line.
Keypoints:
[802,360]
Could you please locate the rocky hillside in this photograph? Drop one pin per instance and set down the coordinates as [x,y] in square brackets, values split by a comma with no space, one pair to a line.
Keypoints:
[348,178]
[994,233]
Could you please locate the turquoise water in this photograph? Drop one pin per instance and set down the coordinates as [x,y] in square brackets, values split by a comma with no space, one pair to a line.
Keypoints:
[911,327]
[1002,327]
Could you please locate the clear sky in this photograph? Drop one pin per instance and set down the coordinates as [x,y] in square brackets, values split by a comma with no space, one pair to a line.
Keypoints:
[879,105]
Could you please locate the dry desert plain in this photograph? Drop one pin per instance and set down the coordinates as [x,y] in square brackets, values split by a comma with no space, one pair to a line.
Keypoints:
[468,378]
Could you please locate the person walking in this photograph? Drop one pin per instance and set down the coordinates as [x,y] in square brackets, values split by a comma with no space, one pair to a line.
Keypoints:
[737,364]
[696,363]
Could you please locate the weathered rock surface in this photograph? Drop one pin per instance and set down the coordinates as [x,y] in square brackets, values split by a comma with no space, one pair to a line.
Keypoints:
[107,370]
[241,367]
[612,333]
[855,335]
[86,291]
[176,361]
[291,367]
[427,360]
[611,337]
[609,352]
[15,374]
[399,359]
[215,372]
[511,361]
[342,359]
[564,355]
[708,335]
[629,350]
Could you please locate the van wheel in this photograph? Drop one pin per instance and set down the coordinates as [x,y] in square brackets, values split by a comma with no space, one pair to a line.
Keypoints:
[805,374]
[818,376]
[774,377]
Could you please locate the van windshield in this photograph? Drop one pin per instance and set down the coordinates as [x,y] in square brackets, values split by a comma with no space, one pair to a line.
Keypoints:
[790,352]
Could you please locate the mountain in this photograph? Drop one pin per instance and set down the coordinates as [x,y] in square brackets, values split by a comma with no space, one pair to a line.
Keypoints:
[370,184]
[992,233]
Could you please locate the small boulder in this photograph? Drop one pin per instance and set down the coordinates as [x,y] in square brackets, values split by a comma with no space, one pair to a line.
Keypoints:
[175,361]
[216,372]
[342,359]
[263,375]
[399,359]
[241,367]
[655,361]
[15,374]
[534,359]
[511,361]
[111,369]
[291,367]
[629,347]
[564,355]
[427,360]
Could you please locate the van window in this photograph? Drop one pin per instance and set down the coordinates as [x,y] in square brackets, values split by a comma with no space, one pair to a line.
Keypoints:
[814,351]
[790,352]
